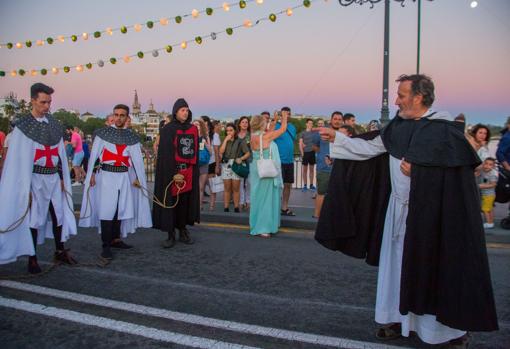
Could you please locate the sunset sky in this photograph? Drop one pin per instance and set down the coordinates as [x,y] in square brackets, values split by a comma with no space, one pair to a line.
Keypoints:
[323,58]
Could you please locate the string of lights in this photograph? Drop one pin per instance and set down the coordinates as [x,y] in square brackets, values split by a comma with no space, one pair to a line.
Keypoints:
[125,29]
[198,40]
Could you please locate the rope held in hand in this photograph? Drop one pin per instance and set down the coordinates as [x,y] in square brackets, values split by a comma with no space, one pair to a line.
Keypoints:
[179,182]
[20,220]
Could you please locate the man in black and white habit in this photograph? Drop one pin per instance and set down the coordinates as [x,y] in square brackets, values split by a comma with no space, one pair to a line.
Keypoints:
[112,198]
[36,186]
[434,276]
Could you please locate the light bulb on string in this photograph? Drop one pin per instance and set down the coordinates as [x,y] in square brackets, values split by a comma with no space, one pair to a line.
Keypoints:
[109,31]
[85,36]
[39,42]
[226,7]
[247,23]
[194,13]
[79,68]
[14,73]
[289,12]
[138,27]
[61,38]
[474,4]
[163,21]
[127,59]
[33,72]
[259,2]
[184,44]
[19,45]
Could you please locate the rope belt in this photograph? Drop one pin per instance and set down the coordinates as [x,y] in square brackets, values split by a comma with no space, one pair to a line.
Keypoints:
[44,170]
[112,168]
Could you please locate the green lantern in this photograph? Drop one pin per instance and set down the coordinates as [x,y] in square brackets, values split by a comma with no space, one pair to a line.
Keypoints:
[97,34]
[21,72]
[139,54]
[209,11]
[307,3]
[89,65]
[74,37]
[49,40]
[230,31]
[198,40]
[2,73]
[67,69]
[113,60]
[150,24]
[44,71]
[272,17]
[168,48]
[123,29]
[242,4]
[178,19]
[9,45]
[28,43]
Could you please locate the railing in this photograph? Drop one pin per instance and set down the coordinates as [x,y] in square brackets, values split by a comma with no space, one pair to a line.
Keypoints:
[150,169]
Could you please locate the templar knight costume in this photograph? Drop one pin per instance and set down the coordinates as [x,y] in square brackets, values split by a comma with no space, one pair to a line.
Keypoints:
[116,201]
[36,192]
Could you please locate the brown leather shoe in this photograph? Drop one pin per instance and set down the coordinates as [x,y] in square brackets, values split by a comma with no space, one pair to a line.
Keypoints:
[185,238]
[63,256]
[33,266]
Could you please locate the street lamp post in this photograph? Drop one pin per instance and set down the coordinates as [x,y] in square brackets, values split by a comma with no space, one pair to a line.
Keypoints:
[385,112]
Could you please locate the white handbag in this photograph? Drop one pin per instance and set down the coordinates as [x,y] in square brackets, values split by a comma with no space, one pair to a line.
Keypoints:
[266,167]
[216,184]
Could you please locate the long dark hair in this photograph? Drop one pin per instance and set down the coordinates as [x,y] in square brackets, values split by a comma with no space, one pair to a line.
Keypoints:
[239,124]
[477,127]
[209,123]
[231,124]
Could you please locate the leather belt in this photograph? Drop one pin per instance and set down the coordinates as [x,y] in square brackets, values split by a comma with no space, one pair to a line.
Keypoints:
[112,168]
[44,170]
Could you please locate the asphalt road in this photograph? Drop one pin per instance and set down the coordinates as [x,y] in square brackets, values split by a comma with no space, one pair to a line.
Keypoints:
[229,290]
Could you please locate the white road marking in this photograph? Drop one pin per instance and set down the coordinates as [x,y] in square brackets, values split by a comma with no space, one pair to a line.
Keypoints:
[119,326]
[198,320]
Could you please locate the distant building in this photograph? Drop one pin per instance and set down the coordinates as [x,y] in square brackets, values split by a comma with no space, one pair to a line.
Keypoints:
[147,122]
[86,116]
[9,105]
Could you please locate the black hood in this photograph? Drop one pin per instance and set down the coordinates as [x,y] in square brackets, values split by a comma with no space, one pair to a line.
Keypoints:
[180,103]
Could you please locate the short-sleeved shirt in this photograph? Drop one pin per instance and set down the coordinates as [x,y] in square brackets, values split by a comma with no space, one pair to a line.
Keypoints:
[285,143]
[216,141]
[235,149]
[307,137]
[488,177]
[77,142]
[322,166]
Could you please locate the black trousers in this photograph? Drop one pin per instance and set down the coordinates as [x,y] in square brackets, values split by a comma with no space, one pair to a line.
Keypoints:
[57,230]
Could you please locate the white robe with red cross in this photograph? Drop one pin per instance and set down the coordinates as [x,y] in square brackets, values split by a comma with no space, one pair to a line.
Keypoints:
[18,183]
[115,190]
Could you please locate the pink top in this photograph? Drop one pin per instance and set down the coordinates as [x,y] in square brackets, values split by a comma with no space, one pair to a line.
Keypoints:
[77,142]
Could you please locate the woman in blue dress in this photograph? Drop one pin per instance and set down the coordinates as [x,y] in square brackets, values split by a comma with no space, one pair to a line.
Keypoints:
[265,195]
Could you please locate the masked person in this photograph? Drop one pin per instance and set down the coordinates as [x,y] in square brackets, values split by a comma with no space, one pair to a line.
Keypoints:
[112,197]
[176,184]
[36,177]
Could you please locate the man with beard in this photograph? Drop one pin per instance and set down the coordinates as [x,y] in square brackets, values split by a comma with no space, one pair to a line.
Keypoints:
[112,199]
[434,276]
[324,162]
[176,184]
[36,177]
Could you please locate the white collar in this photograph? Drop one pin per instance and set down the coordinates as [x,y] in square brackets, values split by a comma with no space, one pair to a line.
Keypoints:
[43,119]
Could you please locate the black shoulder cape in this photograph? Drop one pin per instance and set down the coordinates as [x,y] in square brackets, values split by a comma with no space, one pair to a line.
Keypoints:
[445,270]
[43,133]
[117,135]
[166,168]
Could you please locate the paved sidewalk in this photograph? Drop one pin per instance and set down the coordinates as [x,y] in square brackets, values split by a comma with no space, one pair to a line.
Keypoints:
[303,206]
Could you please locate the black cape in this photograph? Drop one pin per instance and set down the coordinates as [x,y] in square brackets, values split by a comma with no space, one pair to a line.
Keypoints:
[164,218]
[445,270]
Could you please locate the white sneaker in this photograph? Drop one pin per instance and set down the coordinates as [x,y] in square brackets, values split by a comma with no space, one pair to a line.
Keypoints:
[488,225]
[75,184]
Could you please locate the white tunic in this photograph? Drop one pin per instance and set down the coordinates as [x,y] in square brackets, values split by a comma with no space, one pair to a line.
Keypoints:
[17,183]
[116,190]
[390,263]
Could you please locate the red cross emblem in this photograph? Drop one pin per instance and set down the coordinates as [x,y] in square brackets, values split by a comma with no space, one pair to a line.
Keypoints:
[120,160]
[47,153]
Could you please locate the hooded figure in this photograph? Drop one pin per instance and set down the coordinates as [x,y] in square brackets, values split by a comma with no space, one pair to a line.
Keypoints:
[177,155]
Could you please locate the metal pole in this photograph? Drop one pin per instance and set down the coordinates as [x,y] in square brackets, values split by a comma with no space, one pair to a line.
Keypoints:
[419,39]
[385,112]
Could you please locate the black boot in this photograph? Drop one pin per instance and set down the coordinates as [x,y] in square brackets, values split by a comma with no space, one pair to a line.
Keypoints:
[170,242]
[107,253]
[33,266]
[184,237]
